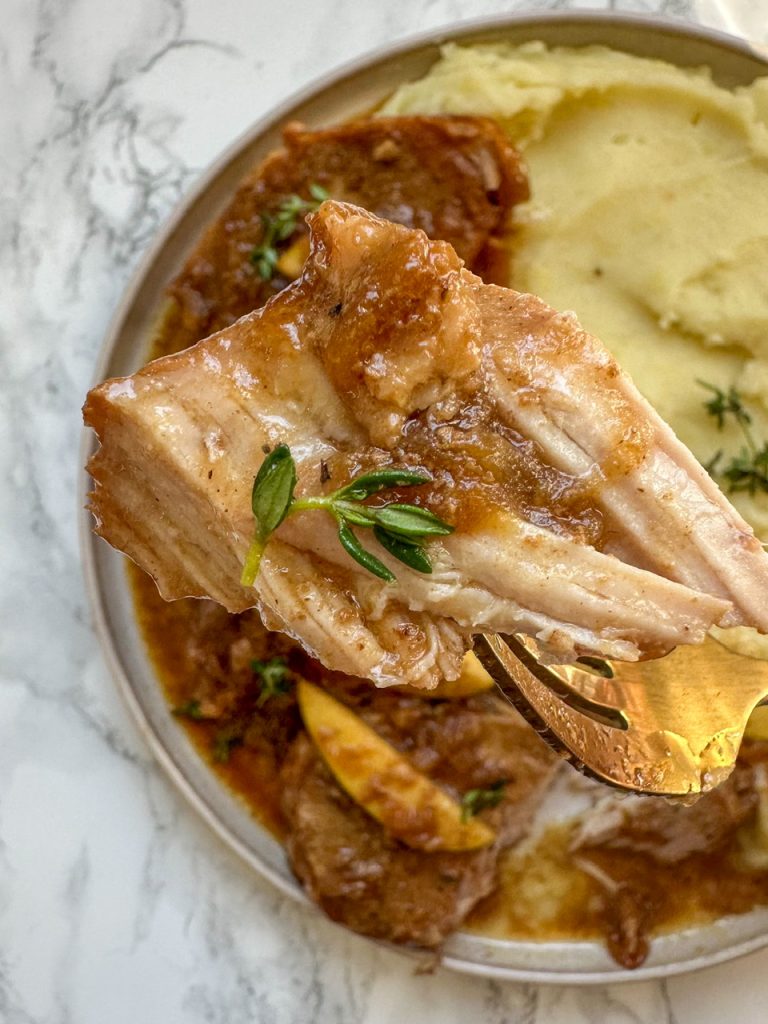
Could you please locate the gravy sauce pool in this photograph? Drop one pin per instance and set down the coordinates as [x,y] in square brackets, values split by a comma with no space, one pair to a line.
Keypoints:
[175,638]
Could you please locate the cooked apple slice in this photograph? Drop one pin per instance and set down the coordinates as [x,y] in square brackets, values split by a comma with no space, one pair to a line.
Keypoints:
[472,680]
[383,782]
[757,726]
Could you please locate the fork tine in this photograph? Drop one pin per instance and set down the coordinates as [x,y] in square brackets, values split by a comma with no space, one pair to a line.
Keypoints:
[492,651]
[498,654]
[604,714]
[488,654]
[671,727]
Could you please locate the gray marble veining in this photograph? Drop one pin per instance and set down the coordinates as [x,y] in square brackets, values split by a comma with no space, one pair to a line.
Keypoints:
[116,904]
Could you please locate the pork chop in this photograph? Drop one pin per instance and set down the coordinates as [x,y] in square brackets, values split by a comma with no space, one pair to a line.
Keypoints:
[456,178]
[367,880]
[387,352]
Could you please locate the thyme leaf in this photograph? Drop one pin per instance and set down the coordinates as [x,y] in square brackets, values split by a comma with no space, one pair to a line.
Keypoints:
[724,404]
[368,484]
[353,547]
[189,709]
[274,678]
[224,741]
[280,225]
[476,800]
[405,551]
[747,471]
[401,529]
[409,521]
[271,499]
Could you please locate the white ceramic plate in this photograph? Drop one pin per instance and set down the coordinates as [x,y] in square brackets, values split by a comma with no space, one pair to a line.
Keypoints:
[354,89]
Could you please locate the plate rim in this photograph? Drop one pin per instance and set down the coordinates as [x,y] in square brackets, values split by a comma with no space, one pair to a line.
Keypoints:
[89,542]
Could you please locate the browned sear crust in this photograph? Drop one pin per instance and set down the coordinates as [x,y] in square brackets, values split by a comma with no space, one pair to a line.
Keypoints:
[456,178]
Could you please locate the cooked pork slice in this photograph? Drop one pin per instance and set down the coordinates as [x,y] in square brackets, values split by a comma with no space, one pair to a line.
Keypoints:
[666,831]
[383,353]
[622,845]
[371,882]
[662,511]
[456,178]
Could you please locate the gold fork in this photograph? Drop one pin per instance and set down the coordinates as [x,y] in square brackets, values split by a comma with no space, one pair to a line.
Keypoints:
[670,727]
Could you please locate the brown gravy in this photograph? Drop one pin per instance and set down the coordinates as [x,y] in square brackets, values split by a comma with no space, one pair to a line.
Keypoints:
[168,628]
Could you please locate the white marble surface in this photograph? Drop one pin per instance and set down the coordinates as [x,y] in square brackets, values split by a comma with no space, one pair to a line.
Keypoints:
[116,904]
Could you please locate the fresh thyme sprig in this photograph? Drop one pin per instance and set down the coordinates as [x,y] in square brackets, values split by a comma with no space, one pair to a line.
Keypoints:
[476,800]
[401,529]
[724,404]
[189,709]
[281,225]
[747,471]
[274,678]
[225,740]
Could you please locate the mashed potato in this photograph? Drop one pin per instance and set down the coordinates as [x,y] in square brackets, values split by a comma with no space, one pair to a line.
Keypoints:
[649,215]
